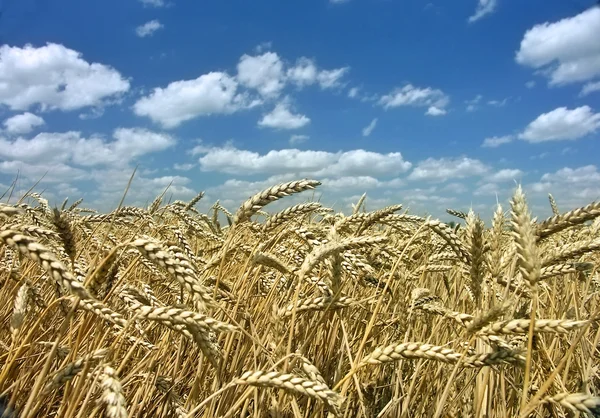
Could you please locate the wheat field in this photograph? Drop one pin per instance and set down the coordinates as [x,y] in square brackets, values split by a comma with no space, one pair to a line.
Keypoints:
[166,311]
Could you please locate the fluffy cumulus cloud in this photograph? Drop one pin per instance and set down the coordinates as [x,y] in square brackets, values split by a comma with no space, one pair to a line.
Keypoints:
[298,139]
[180,101]
[504,175]
[260,80]
[590,88]
[448,168]
[49,172]
[23,123]
[352,183]
[498,103]
[329,79]
[112,183]
[135,142]
[314,163]
[305,73]
[336,192]
[490,189]
[496,141]
[69,162]
[567,51]
[220,93]
[148,28]
[562,124]
[435,111]
[367,130]
[183,166]
[353,92]
[153,3]
[572,186]
[426,199]
[410,95]
[484,8]
[71,149]
[282,117]
[267,74]
[586,174]
[262,72]
[55,77]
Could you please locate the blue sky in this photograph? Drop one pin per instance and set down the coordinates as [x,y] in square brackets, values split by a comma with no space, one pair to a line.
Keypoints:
[417,102]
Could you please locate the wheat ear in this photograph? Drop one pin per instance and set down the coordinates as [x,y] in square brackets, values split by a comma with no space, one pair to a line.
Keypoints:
[258,201]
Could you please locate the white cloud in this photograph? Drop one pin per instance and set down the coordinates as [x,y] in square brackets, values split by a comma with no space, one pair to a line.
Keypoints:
[148,28]
[435,111]
[585,174]
[306,73]
[63,160]
[203,149]
[353,92]
[50,172]
[55,77]
[488,189]
[134,142]
[281,117]
[472,104]
[23,123]
[456,188]
[567,51]
[235,190]
[590,88]
[66,189]
[447,168]
[184,166]
[361,162]
[496,141]
[362,183]
[263,73]
[498,103]
[419,197]
[540,156]
[234,161]
[43,148]
[263,46]
[71,148]
[562,124]
[504,175]
[220,93]
[111,185]
[93,113]
[154,3]
[180,101]
[573,187]
[298,139]
[338,1]
[367,130]
[314,163]
[530,84]
[351,182]
[484,8]
[329,79]
[331,192]
[410,95]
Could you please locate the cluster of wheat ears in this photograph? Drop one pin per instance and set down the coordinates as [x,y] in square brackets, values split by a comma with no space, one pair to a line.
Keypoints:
[169,312]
